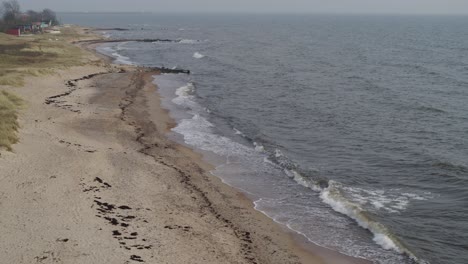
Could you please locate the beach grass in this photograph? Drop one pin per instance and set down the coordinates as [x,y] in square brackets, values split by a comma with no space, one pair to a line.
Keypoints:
[36,55]
[9,106]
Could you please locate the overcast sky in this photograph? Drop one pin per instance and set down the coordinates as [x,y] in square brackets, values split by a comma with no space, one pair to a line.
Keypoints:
[302,6]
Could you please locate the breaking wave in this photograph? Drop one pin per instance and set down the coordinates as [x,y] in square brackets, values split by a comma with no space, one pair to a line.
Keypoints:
[333,196]
[349,201]
[113,52]
[198,55]
[122,59]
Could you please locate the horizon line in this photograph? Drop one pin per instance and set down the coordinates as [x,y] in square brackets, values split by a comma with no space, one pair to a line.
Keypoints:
[261,13]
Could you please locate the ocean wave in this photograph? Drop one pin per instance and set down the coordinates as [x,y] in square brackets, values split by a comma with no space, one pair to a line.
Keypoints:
[238,132]
[198,55]
[297,177]
[185,96]
[392,201]
[446,165]
[186,91]
[113,52]
[259,147]
[333,196]
[199,132]
[122,59]
[350,201]
[121,46]
[283,160]
[431,109]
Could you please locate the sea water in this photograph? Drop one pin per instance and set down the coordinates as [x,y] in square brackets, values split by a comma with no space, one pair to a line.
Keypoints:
[350,130]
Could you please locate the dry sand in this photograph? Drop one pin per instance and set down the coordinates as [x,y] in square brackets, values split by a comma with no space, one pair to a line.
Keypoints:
[95,180]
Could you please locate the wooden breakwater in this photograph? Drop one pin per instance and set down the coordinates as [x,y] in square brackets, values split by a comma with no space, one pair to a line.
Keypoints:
[99,41]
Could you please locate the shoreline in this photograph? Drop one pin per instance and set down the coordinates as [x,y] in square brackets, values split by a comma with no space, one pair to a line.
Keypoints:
[95,179]
[299,241]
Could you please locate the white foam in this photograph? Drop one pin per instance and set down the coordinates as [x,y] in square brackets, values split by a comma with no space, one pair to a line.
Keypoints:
[198,132]
[122,59]
[118,58]
[259,147]
[188,41]
[198,55]
[238,132]
[392,201]
[382,236]
[416,196]
[185,97]
[332,197]
[377,204]
[278,153]
[385,242]
[185,91]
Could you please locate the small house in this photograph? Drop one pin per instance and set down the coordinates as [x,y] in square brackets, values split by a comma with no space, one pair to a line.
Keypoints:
[25,28]
[46,24]
[14,31]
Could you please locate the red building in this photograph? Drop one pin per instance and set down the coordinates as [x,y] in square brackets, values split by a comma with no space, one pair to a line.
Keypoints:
[14,31]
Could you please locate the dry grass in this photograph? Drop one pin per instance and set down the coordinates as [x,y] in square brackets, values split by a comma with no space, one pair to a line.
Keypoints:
[36,55]
[9,106]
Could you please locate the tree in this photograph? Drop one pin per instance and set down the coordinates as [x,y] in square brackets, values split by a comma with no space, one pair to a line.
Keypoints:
[10,15]
[49,15]
[34,16]
[11,9]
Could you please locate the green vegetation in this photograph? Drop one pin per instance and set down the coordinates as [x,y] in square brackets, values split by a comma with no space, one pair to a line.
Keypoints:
[9,106]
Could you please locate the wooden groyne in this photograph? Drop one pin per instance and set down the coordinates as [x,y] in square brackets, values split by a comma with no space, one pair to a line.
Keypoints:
[99,41]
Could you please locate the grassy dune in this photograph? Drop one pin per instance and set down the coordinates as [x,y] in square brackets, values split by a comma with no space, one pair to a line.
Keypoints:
[9,106]
[21,57]
[36,55]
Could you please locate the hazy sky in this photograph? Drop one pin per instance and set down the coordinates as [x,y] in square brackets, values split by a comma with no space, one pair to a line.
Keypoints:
[303,6]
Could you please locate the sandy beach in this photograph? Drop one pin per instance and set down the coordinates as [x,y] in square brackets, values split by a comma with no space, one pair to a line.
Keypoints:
[94,179]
